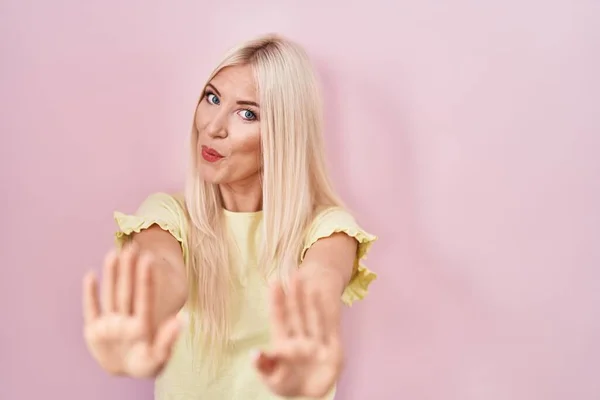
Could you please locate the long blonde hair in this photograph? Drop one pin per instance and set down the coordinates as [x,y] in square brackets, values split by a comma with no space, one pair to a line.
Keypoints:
[294,178]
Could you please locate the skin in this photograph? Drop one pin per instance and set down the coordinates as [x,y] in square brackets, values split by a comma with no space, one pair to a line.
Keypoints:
[228,120]
[130,333]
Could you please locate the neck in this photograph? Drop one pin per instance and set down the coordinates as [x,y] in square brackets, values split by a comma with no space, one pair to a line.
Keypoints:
[242,196]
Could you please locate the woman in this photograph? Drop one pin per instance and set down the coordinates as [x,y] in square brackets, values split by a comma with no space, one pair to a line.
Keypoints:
[252,260]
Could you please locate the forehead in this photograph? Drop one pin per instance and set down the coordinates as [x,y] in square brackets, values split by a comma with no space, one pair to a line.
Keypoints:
[237,81]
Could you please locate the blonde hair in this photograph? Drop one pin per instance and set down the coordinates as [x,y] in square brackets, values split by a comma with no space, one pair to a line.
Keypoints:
[294,178]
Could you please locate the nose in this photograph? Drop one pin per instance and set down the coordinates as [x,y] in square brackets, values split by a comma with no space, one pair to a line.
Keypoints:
[217,126]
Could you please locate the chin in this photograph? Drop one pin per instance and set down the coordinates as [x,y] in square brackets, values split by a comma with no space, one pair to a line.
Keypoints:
[208,176]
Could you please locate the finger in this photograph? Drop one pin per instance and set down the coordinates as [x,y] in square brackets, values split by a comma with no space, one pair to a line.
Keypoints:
[165,339]
[324,322]
[91,306]
[294,307]
[125,283]
[278,312]
[314,318]
[301,301]
[144,291]
[331,314]
[109,276]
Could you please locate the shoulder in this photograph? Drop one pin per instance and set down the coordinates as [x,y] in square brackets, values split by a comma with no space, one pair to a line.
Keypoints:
[330,220]
[161,201]
[325,216]
[163,209]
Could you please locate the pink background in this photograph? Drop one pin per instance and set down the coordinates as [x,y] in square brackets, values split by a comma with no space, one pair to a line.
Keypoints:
[465,134]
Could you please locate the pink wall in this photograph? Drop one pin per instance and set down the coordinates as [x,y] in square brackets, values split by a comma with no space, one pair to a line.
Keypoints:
[465,135]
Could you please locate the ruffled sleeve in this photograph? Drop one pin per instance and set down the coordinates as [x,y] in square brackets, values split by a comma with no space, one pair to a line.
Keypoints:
[162,209]
[335,220]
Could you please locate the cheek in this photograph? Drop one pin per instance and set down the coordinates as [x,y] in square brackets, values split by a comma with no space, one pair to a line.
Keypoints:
[246,154]
[251,144]
[200,121]
[246,149]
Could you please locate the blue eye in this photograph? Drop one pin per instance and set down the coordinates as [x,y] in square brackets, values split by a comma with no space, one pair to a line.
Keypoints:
[247,115]
[212,98]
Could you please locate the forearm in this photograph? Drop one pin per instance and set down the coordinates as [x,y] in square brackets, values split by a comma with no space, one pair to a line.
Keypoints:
[168,276]
[170,291]
[328,268]
[329,283]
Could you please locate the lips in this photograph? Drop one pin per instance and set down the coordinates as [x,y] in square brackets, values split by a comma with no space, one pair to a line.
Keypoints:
[210,154]
[211,151]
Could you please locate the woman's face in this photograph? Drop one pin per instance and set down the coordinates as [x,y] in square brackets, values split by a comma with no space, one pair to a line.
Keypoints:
[227,120]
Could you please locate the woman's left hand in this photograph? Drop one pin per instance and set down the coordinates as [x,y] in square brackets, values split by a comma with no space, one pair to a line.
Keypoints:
[307,357]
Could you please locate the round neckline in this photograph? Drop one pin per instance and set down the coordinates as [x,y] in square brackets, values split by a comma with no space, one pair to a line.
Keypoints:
[241,213]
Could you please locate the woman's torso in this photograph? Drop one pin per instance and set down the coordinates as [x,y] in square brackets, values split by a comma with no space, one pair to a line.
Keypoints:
[186,377]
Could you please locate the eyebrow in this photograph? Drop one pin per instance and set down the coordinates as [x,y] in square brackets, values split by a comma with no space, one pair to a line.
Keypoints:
[210,85]
[240,102]
[247,103]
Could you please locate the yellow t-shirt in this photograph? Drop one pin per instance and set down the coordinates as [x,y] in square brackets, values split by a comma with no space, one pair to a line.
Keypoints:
[181,380]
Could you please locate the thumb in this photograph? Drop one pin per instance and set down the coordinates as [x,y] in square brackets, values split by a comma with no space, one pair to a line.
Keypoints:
[165,339]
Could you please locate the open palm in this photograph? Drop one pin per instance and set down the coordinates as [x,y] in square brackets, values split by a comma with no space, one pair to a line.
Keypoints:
[118,325]
[307,356]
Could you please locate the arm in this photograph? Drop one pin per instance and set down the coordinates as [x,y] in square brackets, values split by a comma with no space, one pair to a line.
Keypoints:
[168,269]
[307,357]
[328,267]
[131,325]
[130,319]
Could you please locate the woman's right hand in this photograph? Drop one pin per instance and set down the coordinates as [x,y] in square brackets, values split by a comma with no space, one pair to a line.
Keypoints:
[118,325]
